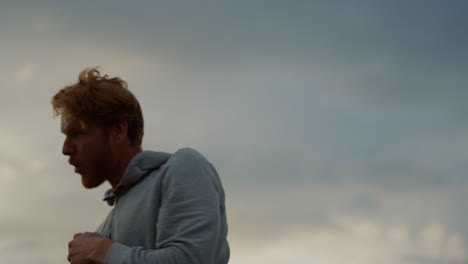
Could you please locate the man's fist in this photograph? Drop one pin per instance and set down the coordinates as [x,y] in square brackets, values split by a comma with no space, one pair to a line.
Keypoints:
[88,248]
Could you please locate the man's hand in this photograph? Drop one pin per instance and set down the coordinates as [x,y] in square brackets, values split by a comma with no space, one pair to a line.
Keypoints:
[88,248]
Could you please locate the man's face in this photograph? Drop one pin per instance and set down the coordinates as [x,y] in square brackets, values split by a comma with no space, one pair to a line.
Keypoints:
[89,151]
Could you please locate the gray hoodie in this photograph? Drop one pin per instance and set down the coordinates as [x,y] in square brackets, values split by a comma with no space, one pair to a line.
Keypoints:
[168,209]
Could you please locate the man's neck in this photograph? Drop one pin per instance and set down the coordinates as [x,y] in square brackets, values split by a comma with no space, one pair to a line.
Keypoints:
[122,165]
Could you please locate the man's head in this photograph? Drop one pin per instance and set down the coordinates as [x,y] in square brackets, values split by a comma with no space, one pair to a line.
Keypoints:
[101,120]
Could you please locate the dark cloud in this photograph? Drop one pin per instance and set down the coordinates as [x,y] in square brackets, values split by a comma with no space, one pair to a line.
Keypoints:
[429,260]
[311,111]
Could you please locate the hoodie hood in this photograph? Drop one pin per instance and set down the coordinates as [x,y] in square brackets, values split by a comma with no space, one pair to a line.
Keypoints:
[140,165]
[137,169]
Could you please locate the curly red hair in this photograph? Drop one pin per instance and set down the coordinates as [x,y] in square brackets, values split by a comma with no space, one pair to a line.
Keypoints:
[103,100]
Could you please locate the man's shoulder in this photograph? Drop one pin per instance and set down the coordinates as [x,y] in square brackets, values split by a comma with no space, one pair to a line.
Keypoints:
[188,161]
[187,155]
[187,168]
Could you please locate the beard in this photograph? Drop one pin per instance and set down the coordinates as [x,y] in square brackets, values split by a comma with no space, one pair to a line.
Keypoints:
[101,169]
[93,180]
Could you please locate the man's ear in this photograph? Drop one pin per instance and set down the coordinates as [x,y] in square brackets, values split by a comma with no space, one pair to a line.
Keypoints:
[120,131]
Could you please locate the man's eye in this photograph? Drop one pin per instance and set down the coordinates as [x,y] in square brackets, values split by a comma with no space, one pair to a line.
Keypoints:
[75,134]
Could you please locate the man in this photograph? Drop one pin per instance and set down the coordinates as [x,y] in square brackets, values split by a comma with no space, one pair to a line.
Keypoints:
[167,208]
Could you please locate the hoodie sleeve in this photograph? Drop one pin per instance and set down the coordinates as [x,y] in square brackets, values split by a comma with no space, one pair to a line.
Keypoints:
[191,227]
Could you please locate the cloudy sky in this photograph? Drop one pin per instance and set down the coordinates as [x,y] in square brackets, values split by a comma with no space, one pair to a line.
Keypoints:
[338,127]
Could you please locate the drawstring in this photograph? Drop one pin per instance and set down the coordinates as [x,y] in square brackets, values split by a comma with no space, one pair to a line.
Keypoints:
[109,197]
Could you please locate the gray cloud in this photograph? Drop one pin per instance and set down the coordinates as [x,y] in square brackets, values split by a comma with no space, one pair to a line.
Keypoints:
[314,113]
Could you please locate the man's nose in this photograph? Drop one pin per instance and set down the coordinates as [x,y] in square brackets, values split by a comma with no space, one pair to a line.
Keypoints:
[68,147]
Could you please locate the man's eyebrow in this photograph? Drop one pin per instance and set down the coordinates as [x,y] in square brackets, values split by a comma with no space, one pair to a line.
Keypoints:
[65,130]
[69,129]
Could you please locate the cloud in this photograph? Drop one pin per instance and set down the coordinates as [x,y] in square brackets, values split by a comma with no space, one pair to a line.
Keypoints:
[7,173]
[332,221]
[40,27]
[40,207]
[332,124]
[436,243]
[360,242]
[26,72]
